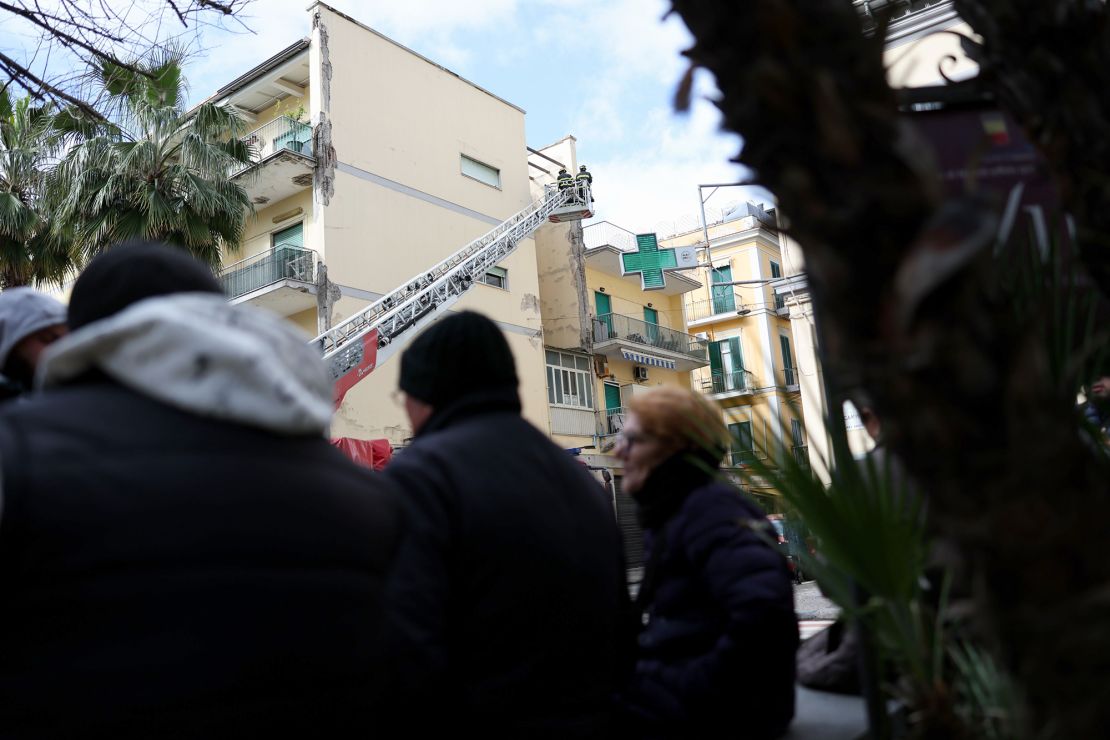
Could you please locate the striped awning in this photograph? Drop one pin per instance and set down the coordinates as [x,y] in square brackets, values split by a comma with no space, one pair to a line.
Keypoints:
[650,360]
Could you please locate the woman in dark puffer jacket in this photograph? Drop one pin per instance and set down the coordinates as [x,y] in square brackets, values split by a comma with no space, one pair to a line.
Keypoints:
[715,654]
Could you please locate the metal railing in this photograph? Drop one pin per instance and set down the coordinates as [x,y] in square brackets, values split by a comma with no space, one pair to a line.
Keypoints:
[611,421]
[615,326]
[790,376]
[742,457]
[719,381]
[726,300]
[273,266]
[604,233]
[801,455]
[281,133]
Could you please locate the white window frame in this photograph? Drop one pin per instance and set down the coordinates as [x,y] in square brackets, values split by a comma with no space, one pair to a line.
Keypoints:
[562,379]
[463,159]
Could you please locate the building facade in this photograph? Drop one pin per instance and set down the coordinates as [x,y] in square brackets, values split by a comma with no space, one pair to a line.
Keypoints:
[752,371]
[373,164]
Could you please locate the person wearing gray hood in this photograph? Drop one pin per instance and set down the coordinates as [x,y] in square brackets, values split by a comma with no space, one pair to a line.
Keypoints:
[29,323]
[183,552]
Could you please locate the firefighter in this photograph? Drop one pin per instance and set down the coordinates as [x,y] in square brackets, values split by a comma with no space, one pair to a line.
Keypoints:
[582,181]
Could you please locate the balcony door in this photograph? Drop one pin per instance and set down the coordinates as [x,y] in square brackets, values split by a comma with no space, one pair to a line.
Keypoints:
[726,365]
[603,304]
[789,374]
[724,296]
[614,413]
[651,320]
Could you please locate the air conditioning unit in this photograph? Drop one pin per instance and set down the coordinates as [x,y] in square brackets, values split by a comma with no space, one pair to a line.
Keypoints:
[601,367]
[640,373]
[702,335]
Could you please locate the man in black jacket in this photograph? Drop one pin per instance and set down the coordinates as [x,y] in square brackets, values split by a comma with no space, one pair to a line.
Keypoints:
[183,554]
[508,592]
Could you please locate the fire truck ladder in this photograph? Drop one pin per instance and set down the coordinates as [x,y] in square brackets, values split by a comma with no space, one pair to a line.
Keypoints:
[354,347]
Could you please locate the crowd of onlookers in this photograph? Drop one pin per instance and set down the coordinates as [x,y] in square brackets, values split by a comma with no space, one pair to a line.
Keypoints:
[184,553]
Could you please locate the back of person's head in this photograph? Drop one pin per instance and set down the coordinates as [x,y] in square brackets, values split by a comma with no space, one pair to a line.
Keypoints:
[133,272]
[23,312]
[682,419]
[462,354]
[581,168]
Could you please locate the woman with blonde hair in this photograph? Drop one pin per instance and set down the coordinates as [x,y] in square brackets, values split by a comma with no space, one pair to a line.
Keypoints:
[716,649]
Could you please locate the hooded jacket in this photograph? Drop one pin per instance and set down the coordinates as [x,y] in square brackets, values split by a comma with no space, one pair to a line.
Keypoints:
[182,551]
[24,311]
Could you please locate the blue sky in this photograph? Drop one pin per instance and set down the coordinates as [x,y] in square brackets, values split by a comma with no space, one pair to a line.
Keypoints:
[603,71]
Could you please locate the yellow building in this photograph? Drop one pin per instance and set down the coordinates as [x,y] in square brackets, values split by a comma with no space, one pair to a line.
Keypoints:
[752,373]
[374,164]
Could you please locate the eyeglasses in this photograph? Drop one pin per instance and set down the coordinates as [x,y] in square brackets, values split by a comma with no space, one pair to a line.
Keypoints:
[627,439]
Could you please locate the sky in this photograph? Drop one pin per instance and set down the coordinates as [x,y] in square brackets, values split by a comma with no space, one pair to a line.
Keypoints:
[603,71]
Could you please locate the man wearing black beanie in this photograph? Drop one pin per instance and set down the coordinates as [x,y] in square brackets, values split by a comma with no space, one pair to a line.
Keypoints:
[507,598]
[183,553]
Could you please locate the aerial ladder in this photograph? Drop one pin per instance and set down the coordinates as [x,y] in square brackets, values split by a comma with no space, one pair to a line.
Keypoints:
[357,345]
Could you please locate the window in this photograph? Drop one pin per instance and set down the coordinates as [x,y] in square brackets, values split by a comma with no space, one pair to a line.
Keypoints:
[742,444]
[724,296]
[498,277]
[790,375]
[776,272]
[570,380]
[651,321]
[726,366]
[291,237]
[481,172]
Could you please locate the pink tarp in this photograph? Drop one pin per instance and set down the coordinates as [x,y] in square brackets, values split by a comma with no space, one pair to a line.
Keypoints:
[373,453]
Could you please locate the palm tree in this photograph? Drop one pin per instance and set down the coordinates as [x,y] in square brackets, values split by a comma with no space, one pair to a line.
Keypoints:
[154,170]
[34,248]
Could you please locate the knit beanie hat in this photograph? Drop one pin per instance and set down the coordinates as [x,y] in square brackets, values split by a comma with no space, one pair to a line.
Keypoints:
[457,356]
[131,272]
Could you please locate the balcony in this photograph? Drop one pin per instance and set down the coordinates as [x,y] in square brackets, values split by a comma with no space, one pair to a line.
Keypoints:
[611,421]
[573,422]
[801,455]
[726,303]
[625,338]
[734,383]
[281,152]
[789,378]
[282,280]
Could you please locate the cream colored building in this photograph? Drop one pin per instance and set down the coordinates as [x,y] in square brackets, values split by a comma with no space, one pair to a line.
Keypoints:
[375,163]
[752,371]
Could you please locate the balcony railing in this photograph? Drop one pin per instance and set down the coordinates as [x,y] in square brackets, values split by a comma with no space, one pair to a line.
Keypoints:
[604,233]
[790,376]
[725,300]
[615,326]
[281,133]
[801,455]
[719,381]
[611,421]
[279,263]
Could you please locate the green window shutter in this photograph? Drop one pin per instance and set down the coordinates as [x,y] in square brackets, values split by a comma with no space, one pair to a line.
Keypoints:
[738,380]
[776,271]
[715,357]
[603,304]
[743,447]
[612,397]
[651,316]
[724,296]
[291,237]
